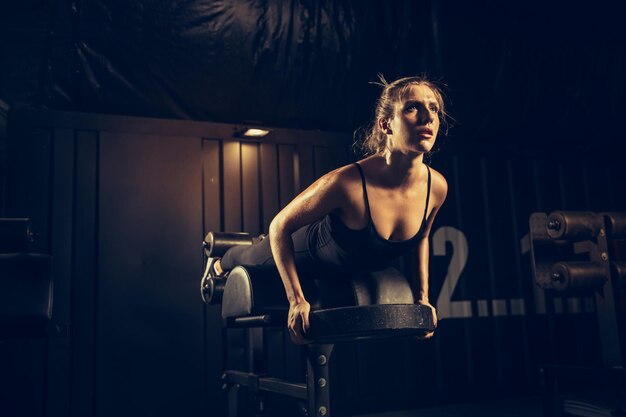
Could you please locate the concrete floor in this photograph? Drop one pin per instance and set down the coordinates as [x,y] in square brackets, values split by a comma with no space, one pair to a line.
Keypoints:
[514,407]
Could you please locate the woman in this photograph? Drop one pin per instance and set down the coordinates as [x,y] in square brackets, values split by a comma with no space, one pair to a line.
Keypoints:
[365,214]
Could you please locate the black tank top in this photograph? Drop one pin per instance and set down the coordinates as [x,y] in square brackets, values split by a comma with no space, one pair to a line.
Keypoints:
[333,243]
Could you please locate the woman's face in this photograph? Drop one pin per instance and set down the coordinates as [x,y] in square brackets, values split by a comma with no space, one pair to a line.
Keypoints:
[415,122]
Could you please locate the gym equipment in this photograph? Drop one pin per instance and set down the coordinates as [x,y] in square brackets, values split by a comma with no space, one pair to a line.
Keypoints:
[256,295]
[569,252]
[216,244]
[343,308]
[211,287]
[25,284]
[618,270]
[615,225]
[578,276]
[570,255]
[573,225]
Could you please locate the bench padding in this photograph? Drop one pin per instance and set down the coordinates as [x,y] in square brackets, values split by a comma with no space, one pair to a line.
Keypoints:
[253,291]
[373,321]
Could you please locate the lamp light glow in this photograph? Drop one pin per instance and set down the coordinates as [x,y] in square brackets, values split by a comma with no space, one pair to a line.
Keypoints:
[255,133]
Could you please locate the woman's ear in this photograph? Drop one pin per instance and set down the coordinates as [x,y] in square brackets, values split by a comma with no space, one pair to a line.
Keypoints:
[384,125]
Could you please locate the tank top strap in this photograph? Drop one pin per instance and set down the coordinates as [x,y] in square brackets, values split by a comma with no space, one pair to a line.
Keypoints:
[427,195]
[367,203]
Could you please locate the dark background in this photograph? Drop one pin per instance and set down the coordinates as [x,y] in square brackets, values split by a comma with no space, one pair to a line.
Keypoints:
[528,73]
[117,110]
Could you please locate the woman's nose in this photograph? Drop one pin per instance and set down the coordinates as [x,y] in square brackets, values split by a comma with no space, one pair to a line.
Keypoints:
[425,116]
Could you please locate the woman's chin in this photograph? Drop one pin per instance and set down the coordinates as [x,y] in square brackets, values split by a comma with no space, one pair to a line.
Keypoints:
[423,147]
[426,146]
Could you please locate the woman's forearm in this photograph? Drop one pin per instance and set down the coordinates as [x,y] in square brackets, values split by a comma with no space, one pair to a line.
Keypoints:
[423,250]
[283,253]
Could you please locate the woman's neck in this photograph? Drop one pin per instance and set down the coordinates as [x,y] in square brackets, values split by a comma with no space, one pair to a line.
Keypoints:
[404,169]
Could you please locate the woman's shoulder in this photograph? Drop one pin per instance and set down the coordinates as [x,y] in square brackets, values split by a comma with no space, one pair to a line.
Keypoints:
[437,177]
[344,174]
[439,185]
[340,180]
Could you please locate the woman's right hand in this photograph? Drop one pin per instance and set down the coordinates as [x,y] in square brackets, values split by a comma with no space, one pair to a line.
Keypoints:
[434,310]
[298,321]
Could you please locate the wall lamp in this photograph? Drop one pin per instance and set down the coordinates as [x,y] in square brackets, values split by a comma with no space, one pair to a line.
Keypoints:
[251,133]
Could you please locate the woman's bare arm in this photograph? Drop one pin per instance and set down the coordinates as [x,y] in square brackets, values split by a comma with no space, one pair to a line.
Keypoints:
[319,199]
[438,196]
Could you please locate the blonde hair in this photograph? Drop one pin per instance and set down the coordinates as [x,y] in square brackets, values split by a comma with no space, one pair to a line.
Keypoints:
[375,140]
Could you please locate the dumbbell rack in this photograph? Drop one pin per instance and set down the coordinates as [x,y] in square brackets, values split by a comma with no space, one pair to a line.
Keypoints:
[570,255]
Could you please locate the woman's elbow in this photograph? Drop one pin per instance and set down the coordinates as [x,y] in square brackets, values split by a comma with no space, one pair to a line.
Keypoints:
[278,226]
[274,227]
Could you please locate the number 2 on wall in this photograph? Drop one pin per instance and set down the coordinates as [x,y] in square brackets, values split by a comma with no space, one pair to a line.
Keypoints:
[446,308]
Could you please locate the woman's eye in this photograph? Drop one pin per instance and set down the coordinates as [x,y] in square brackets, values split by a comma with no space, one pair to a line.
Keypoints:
[415,107]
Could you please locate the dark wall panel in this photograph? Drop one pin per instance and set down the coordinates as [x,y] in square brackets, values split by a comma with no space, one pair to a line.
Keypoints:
[123,205]
[213,219]
[616,177]
[511,326]
[597,189]
[28,179]
[519,305]
[150,216]
[467,290]
[305,167]
[286,174]
[62,230]
[22,377]
[4,109]
[211,183]
[269,182]
[232,186]
[23,362]
[322,160]
[84,301]
[502,276]
[250,182]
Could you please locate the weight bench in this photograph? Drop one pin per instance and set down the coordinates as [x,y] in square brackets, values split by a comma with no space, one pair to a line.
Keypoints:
[26,289]
[364,306]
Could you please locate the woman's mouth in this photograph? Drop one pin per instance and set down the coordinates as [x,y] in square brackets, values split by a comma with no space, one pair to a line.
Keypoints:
[425,132]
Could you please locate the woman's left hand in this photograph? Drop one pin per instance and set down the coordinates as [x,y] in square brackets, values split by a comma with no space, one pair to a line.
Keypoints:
[298,321]
[428,304]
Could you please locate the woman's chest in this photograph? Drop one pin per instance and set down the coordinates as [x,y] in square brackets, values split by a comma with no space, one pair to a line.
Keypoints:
[395,215]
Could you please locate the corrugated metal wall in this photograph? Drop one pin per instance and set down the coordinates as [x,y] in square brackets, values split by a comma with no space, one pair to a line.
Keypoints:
[4,108]
[496,325]
[123,203]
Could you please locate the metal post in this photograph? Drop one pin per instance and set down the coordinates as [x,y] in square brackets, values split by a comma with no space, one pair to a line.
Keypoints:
[318,381]
[236,401]
[606,309]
